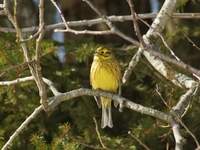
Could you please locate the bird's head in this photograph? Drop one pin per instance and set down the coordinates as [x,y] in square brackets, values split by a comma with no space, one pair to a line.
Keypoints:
[103,53]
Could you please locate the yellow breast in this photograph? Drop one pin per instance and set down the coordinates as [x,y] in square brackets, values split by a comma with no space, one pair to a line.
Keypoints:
[105,76]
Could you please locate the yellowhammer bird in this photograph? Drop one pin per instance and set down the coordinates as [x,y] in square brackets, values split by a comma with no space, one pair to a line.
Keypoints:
[105,74]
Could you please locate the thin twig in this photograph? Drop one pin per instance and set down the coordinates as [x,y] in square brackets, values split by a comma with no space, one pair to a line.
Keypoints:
[51,86]
[15,21]
[32,36]
[135,24]
[184,34]
[158,92]
[137,56]
[134,61]
[16,81]
[138,140]
[15,67]
[61,15]
[31,78]
[39,80]
[23,45]
[97,130]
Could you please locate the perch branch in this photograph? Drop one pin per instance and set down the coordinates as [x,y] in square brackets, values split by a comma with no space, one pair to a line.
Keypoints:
[61,97]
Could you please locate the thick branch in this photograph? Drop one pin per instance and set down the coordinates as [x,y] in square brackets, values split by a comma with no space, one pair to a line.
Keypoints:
[185,100]
[129,104]
[179,140]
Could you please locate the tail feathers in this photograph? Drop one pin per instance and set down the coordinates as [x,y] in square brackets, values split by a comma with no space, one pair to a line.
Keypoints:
[106,117]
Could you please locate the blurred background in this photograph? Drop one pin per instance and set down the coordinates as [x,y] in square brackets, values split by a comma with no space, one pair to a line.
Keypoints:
[66,60]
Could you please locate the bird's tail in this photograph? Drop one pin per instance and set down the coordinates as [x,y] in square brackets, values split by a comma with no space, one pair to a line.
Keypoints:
[106,113]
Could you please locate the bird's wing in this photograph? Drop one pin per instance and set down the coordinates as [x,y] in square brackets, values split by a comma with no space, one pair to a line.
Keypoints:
[119,91]
[98,100]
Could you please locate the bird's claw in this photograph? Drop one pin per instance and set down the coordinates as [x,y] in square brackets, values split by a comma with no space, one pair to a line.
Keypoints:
[121,106]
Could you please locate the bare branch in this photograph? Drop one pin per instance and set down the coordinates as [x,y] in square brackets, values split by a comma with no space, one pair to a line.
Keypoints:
[24,47]
[98,21]
[61,15]
[19,80]
[158,92]
[55,101]
[135,59]
[31,78]
[15,21]
[105,32]
[51,86]
[179,140]
[32,36]
[135,24]
[193,136]
[39,80]
[178,112]
[185,100]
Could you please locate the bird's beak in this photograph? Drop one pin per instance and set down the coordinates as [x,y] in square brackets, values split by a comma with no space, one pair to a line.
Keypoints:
[96,53]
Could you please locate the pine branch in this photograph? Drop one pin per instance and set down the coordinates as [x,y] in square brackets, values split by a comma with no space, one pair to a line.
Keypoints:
[22,127]
[15,67]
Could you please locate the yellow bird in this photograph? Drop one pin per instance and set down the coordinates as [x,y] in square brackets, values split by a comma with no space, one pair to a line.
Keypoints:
[105,74]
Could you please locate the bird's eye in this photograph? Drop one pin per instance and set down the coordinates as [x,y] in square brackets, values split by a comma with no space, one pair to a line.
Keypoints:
[108,53]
